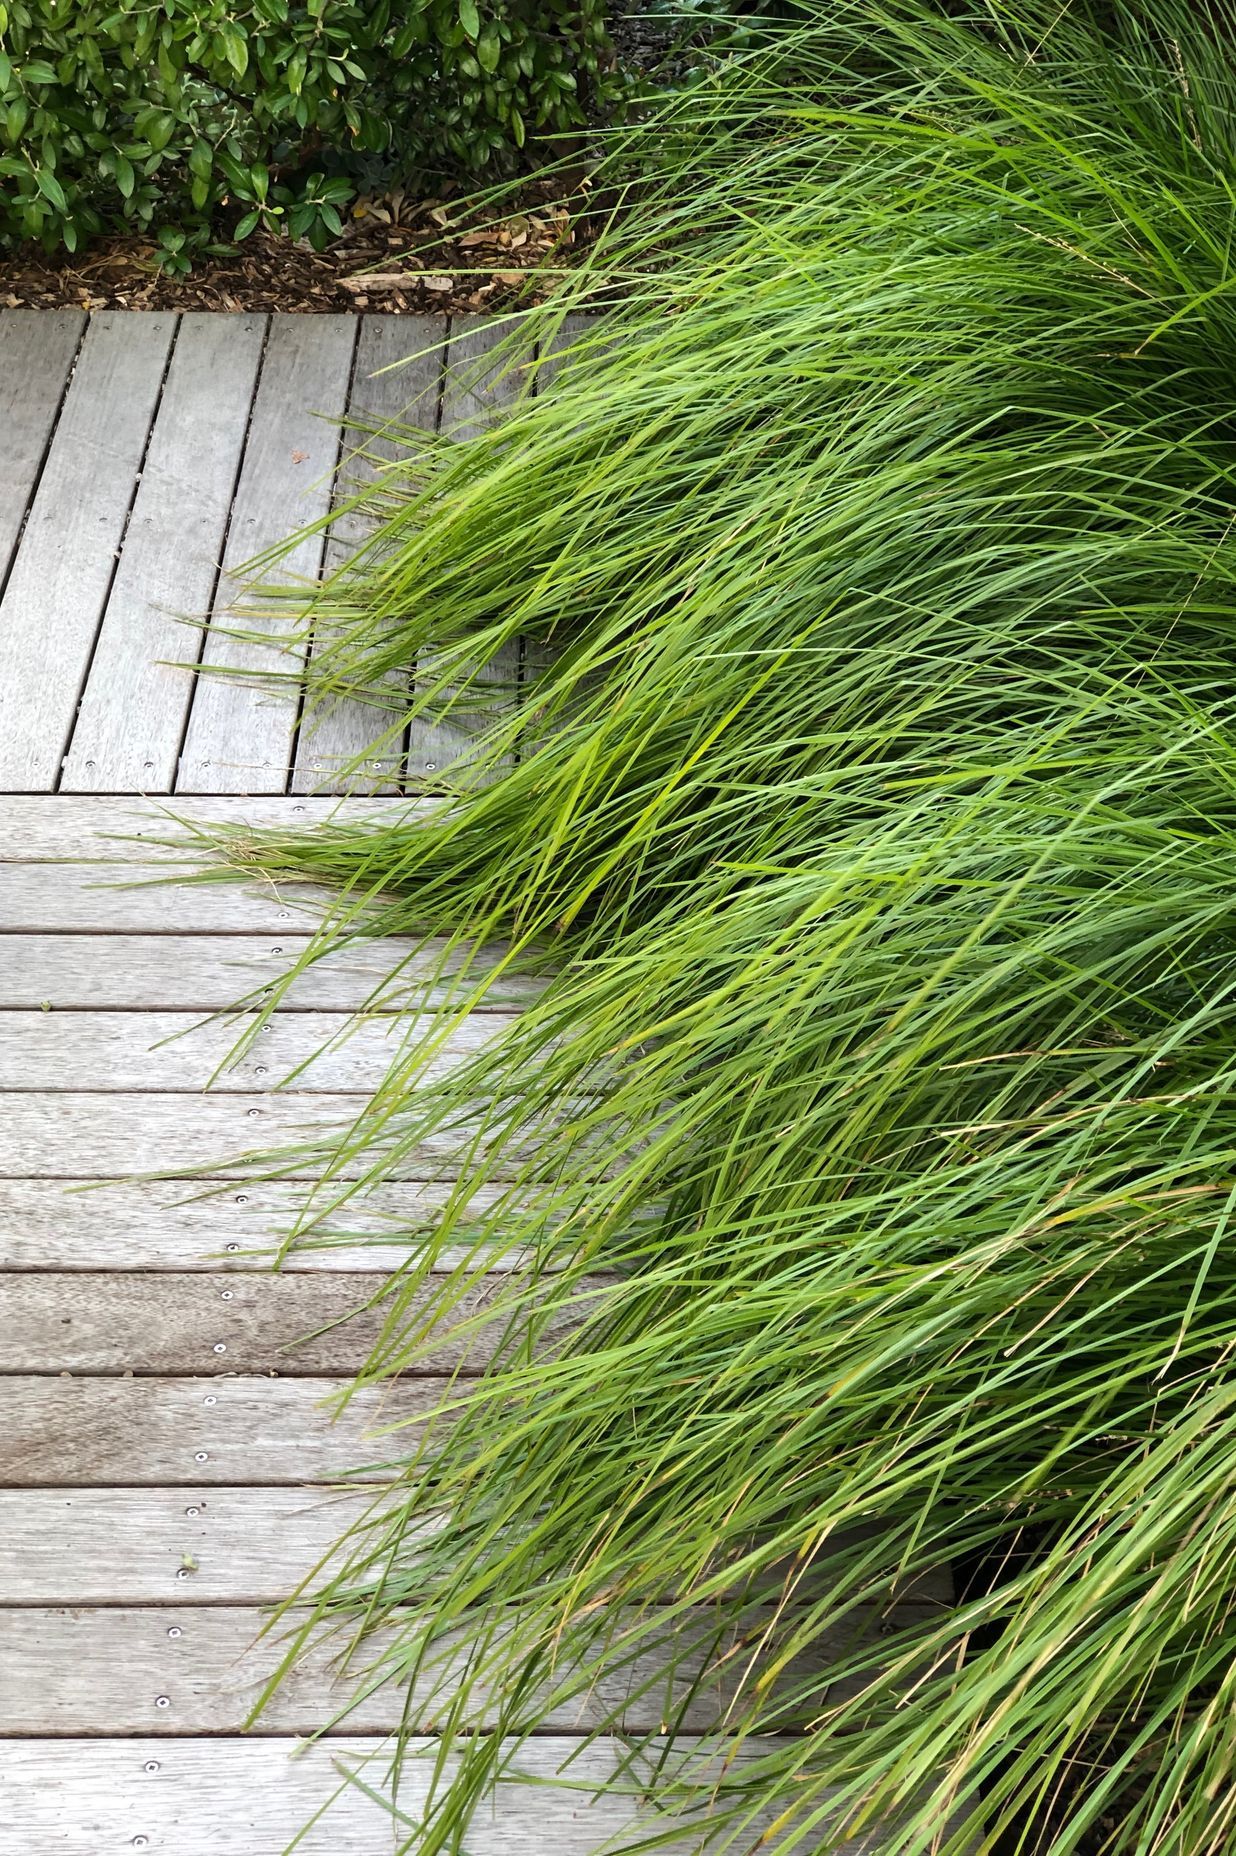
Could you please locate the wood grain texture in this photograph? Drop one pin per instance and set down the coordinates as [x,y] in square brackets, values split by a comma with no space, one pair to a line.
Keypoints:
[232,1797]
[170,1051]
[60,579]
[39,828]
[65,1134]
[203,1224]
[202,973]
[71,1546]
[129,726]
[396,387]
[37,347]
[241,729]
[306,1325]
[188,1668]
[144,898]
[198,1433]
[133,1546]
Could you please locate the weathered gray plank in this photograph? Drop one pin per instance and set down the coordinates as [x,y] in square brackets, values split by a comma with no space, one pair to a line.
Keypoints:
[138,898]
[554,351]
[131,720]
[37,347]
[212,1224]
[439,744]
[63,1135]
[240,732]
[74,1546]
[55,595]
[204,973]
[171,1051]
[131,1546]
[103,1322]
[395,389]
[199,1433]
[252,1797]
[474,389]
[40,828]
[190,1669]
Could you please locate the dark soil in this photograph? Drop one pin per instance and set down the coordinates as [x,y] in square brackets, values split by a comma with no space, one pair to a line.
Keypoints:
[397,254]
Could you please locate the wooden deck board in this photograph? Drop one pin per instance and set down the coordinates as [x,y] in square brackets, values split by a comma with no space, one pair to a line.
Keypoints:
[208,973]
[304,1325]
[182,1668]
[129,728]
[78,827]
[232,1797]
[209,1223]
[143,898]
[37,348]
[397,384]
[64,567]
[70,1546]
[175,1433]
[171,1051]
[240,735]
[57,1134]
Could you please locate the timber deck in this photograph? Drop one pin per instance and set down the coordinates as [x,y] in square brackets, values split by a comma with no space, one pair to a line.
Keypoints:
[166,1445]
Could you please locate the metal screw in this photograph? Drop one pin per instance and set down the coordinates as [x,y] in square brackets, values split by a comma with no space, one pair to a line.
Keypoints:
[140,1842]
[242,1198]
[201,1456]
[220,1346]
[210,1399]
[147,765]
[152,1765]
[163,1701]
[431,766]
[254,1113]
[90,763]
[225,1295]
[276,950]
[182,1572]
[193,1513]
[231,1246]
[174,1630]
[259,1069]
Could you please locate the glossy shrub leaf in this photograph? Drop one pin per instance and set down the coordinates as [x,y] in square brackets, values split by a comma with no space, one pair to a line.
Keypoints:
[174,110]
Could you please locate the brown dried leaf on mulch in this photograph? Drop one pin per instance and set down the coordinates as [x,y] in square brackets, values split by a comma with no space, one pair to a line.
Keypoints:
[395,255]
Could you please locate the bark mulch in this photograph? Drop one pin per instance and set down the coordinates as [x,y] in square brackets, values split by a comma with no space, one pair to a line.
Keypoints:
[396,255]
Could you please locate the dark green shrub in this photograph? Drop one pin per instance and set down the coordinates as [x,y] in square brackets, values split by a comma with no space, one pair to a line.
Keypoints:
[156,114]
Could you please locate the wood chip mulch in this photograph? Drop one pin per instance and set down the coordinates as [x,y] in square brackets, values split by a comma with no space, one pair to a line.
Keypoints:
[395,255]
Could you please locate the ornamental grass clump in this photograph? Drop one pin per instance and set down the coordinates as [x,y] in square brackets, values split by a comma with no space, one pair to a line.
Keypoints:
[869,812]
